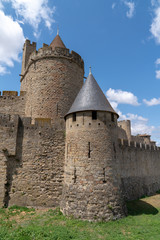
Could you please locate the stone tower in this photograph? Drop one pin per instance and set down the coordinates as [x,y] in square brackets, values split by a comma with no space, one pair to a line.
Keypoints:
[51,78]
[91,186]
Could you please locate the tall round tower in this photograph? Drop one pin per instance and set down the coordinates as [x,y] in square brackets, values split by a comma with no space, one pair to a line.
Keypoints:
[91,188]
[51,78]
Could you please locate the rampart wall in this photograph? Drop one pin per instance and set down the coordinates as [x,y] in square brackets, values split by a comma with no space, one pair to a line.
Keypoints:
[39,181]
[8,139]
[139,169]
[32,160]
[11,103]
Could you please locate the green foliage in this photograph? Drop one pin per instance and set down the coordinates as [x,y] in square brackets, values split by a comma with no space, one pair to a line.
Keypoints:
[55,212]
[21,223]
[20,209]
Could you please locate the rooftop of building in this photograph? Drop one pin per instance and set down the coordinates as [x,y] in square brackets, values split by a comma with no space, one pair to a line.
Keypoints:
[91,98]
[57,42]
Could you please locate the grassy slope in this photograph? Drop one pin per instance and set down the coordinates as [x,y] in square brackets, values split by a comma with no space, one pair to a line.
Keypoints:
[28,224]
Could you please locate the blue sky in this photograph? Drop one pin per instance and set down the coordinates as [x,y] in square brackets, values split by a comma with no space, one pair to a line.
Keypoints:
[120,39]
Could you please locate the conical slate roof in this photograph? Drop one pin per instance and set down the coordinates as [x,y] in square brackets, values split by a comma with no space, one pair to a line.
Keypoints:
[57,42]
[91,98]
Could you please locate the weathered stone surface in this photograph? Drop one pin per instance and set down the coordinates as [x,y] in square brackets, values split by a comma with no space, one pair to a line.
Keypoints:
[104,164]
[91,188]
[52,80]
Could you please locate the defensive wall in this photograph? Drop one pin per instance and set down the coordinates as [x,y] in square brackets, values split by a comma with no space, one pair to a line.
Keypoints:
[104,164]
[138,166]
[11,103]
[32,160]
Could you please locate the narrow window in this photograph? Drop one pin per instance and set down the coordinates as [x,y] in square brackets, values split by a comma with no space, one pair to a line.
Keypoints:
[74,117]
[89,150]
[94,115]
[75,176]
[112,117]
[104,176]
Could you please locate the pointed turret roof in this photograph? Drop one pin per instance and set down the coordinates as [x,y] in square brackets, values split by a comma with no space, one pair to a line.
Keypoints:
[57,42]
[91,98]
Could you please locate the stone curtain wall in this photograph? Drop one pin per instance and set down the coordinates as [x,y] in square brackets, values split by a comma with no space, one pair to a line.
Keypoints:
[139,169]
[2,177]
[8,139]
[11,103]
[38,180]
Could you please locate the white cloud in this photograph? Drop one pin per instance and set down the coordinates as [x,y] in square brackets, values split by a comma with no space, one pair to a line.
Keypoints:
[1,5]
[157,71]
[157,61]
[131,10]
[33,12]
[2,70]
[155,3]
[114,105]
[11,42]
[140,127]
[121,97]
[152,102]
[156,135]
[113,5]
[139,124]
[155,25]
[158,74]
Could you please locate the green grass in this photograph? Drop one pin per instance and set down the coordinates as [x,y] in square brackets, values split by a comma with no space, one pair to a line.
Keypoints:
[21,223]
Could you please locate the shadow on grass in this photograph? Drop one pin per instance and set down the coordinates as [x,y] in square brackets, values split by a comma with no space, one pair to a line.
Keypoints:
[139,207]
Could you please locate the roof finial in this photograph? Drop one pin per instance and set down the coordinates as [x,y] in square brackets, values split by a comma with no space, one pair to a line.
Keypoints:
[90,72]
[57,30]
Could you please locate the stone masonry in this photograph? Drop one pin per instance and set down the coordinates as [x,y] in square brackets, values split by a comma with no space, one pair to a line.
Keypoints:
[83,161]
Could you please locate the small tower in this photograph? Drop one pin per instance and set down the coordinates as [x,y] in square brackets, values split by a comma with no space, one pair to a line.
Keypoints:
[52,78]
[28,49]
[91,187]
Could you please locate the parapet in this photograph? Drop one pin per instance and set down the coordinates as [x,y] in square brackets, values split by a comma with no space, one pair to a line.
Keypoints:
[12,93]
[47,52]
[123,143]
[29,44]
[42,123]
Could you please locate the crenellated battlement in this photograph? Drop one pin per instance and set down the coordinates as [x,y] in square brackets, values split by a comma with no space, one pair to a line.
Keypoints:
[11,121]
[12,103]
[47,52]
[29,44]
[132,144]
[12,93]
